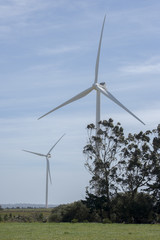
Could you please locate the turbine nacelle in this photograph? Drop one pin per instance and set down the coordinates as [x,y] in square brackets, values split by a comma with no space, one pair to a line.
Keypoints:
[49,155]
[102,85]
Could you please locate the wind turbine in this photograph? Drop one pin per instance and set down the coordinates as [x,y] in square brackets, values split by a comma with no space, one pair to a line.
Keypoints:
[100,89]
[48,173]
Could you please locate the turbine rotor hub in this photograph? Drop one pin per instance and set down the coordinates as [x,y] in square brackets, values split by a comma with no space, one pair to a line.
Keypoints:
[101,85]
[49,155]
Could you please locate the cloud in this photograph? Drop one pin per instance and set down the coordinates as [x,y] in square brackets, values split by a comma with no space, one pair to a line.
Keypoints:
[15,8]
[58,50]
[20,17]
[149,115]
[145,16]
[151,66]
[141,69]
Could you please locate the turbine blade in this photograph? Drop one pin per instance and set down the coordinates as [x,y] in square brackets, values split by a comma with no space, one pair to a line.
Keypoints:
[39,154]
[55,144]
[78,96]
[49,172]
[111,97]
[98,54]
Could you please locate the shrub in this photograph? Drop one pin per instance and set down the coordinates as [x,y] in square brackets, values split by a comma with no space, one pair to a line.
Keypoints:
[40,217]
[74,220]
[55,216]
[106,220]
[69,212]
[6,217]
[137,209]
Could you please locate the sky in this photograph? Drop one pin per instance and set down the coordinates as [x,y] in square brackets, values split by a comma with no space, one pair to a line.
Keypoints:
[48,53]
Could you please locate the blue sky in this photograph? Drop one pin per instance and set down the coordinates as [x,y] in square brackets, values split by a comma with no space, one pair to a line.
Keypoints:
[48,54]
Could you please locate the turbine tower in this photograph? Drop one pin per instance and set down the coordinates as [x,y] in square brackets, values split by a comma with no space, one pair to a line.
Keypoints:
[100,89]
[48,173]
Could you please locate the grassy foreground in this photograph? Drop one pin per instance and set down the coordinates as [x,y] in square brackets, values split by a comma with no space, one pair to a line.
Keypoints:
[78,231]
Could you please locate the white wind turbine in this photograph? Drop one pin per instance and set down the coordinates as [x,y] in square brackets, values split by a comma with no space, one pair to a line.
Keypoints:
[100,88]
[48,173]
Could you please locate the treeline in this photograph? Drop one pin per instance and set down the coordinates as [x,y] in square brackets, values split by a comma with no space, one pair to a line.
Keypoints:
[125,177]
[125,173]
[123,209]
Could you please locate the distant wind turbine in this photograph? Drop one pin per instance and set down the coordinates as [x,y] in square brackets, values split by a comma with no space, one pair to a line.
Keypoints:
[99,87]
[47,156]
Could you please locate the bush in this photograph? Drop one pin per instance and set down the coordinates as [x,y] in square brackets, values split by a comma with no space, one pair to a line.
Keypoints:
[74,220]
[85,221]
[6,217]
[123,208]
[106,220]
[55,216]
[137,209]
[69,212]
[39,217]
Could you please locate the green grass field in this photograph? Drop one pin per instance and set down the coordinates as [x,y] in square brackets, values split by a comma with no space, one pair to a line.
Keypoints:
[78,231]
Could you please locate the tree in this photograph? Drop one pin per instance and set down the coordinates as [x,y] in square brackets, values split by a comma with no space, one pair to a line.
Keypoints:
[103,158]
[137,209]
[122,165]
[154,185]
[138,163]
[97,206]
[141,168]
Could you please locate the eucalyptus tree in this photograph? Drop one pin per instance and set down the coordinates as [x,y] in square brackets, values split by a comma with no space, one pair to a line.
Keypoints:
[103,157]
[138,164]
[121,165]
[154,185]
[142,162]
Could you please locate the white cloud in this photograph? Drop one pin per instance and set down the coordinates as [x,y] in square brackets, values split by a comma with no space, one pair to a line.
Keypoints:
[21,8]
[151,66]
[58,50]
[18,17]
[142,68]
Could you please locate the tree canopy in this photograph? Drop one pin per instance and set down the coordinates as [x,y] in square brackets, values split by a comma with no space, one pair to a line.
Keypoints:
[122,167]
